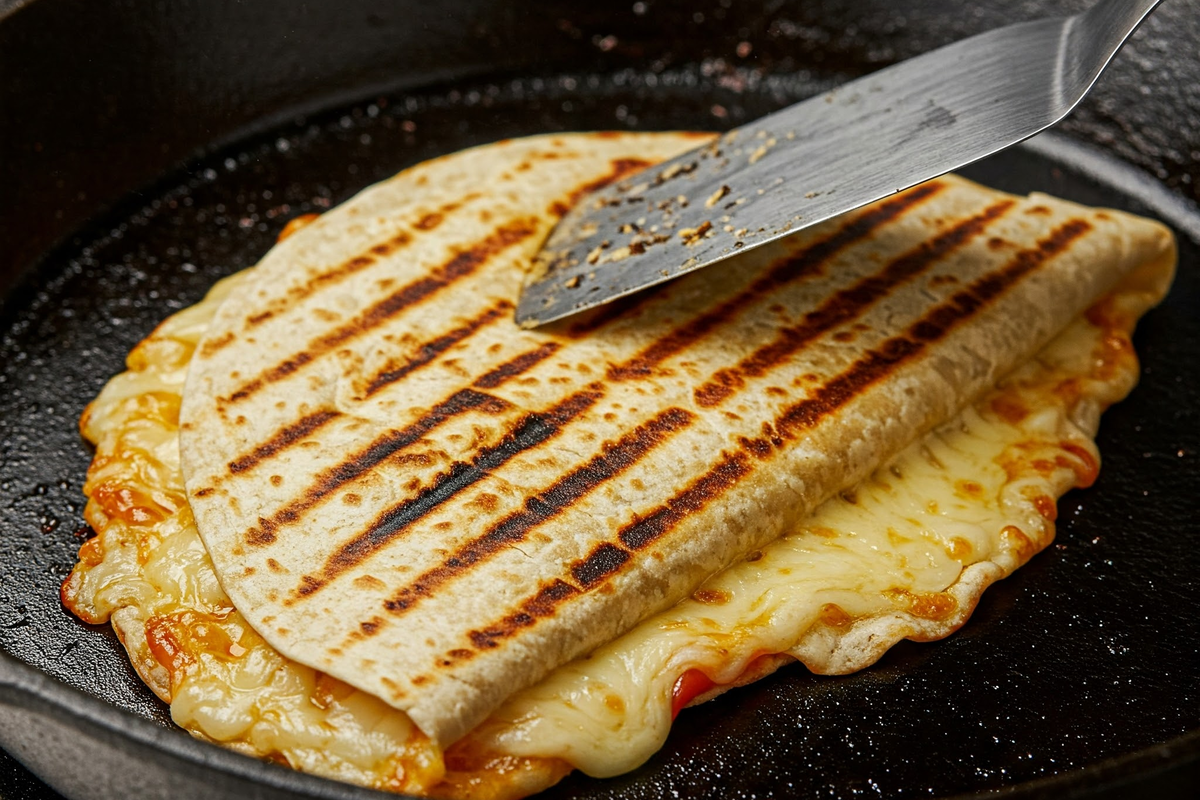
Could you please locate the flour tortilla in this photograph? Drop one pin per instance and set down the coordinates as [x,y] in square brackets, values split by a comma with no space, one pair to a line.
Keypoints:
[401,488]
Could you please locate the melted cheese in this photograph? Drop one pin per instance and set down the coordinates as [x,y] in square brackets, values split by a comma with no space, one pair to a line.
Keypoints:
[905,554]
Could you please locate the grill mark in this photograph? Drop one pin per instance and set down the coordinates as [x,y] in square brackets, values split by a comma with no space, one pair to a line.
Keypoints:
[608,558]
[382,249]
[787,270]
[541,605]
[516,366]
[533,430]
[460,266]
[613,459]
[317,282]
[782,273]
[380,450]
[392,442]
[212,346]
[429,221]
[249,388]
[646,530]
[296,432]
[283,438]
[432,349]
[809,262]
[845,306]
[605,559]
[618,168]
[932,326]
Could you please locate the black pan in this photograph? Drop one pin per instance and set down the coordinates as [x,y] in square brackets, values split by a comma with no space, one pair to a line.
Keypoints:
[1076,677]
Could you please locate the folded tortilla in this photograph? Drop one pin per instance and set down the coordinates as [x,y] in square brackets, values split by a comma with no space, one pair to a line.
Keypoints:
[402,489]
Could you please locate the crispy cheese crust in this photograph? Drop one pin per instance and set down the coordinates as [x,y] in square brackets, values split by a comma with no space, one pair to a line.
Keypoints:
[960,509]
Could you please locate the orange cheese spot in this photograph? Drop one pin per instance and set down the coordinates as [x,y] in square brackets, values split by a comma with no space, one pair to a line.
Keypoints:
[472,772]
[1015,538]
[711,597]
[959,549]
[1045,506]
[834,615]
[926,605]
[91,552]
[159,352]
[128,504]
[177,641]
[157,407]
[1116,345]
[167,649]
[1107,315]
[1069,391]
[823,532]
[1087,467]
[968,489]
[1009,408]
[296,224]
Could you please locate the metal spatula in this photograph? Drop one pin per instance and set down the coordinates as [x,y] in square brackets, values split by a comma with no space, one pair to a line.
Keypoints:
[856,144]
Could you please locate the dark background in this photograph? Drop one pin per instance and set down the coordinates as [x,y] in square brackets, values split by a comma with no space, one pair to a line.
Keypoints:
[148,87]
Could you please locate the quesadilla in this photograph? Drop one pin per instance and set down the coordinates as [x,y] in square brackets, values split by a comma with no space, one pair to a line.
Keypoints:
[416,508]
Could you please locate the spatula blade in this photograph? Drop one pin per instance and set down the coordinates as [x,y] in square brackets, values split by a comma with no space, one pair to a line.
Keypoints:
[830,154]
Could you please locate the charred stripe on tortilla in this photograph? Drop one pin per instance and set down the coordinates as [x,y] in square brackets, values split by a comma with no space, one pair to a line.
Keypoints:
[787,375]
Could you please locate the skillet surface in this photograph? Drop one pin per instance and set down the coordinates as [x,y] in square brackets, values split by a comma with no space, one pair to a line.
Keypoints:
[1090,653]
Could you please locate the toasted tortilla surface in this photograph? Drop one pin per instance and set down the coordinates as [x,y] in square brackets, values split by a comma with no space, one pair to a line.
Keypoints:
[905,553]
[401,488]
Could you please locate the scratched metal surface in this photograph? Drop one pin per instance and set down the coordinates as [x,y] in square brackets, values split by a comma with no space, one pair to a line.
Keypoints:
[832,153]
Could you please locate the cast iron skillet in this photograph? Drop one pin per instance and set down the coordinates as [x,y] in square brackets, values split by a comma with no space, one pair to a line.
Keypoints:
[1076,676]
